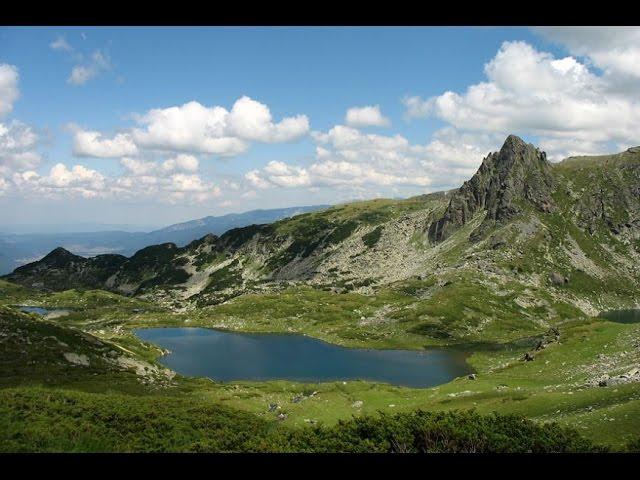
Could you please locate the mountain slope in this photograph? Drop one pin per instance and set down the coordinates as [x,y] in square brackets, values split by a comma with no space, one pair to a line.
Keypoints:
[521,246]
[19,249]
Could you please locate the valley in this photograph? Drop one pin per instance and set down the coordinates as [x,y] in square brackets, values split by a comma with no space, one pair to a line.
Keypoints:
[513,269]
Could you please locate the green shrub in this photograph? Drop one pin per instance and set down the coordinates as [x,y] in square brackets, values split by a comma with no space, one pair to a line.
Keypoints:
[49,420]
[371,238]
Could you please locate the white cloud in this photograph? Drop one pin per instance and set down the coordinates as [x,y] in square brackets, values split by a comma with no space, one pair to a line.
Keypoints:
[182,182]
[138,167]
[559,148]
[187,163]
[97,63]
[192,127]
[416,107]
[283,175]
[4,186]
[78,180]
[616,50]
[366,117]
[347,158]
[61,44]
[531,92]
[251,120]
[141,180]
[79,175]
[17,147]
[9,92]
[92,144]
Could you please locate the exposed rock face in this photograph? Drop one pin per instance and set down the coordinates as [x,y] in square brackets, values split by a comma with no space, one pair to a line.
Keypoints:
[610,197]
[518,172]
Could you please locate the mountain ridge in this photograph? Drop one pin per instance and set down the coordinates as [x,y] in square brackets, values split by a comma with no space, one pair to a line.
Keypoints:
[511,231]
[19,249]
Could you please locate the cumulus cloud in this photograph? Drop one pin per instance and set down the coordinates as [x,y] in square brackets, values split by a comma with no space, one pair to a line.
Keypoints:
[348,158]
[141,180]
[17,147]
[138,167]
[8,88]
[187,163]
[93,144]
[251,120]
[616,50]
[96,64]
[369,116]
[78,180]
[193,127]
[141,167]
[531,92]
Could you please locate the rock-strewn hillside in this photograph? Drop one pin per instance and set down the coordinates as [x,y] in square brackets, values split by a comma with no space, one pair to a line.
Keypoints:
[521,229]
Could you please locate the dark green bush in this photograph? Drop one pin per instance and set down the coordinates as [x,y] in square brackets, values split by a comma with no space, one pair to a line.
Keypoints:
[34,419]
[437,432]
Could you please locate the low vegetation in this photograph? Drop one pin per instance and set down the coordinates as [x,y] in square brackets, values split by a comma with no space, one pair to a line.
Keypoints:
[69,421]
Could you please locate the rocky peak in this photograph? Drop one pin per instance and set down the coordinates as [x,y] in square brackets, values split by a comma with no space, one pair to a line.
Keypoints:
[518,172]
[208,239]
[60,256]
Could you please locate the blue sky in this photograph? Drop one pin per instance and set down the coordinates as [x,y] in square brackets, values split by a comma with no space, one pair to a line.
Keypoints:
[409,136]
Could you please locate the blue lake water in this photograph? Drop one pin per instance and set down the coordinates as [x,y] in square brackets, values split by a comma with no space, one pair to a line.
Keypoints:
[229,356]
[38,310]
[622,316]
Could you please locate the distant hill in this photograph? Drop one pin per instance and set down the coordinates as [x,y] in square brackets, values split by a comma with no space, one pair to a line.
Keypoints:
[20,249]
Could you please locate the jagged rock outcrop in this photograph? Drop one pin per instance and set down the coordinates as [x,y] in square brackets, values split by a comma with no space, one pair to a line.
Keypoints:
[518,172]
[607,190]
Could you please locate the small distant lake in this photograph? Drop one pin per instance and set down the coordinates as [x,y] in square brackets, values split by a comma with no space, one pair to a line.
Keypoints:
[38,310]
[622,316]
[41,310]
[229,356]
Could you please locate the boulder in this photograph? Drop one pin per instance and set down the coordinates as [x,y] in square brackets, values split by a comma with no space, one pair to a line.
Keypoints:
[558,279]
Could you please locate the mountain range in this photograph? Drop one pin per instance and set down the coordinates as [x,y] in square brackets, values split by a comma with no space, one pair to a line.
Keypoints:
[18,249]
[523,243]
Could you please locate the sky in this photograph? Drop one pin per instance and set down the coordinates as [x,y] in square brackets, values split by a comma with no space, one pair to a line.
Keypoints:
[152,126]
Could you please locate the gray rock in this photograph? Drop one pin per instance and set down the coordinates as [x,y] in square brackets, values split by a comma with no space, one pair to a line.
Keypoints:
[519,171]
[558,279]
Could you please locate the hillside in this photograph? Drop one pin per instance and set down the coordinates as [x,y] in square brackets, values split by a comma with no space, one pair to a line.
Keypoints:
[521,245]
[19,249]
